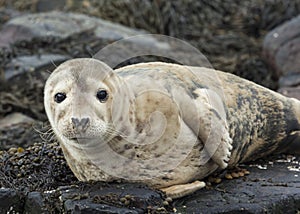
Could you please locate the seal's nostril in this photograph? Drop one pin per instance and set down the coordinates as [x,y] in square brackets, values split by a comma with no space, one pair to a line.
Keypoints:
[75,122]
[84,122]
[80,124]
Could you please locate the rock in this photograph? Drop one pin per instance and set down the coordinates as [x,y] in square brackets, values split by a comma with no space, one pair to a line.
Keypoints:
[289,80]
[272,190]
[32,63]
[22,134]
[272,187]
[15,118]
[290,91]
[114,198]
[60,25]
[11,201]
[34,203]
[281,48]
[287,57]
[45,5]
[8,13]
[86,198]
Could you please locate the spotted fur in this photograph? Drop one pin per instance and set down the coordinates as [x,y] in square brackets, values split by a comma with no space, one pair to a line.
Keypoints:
[218,120]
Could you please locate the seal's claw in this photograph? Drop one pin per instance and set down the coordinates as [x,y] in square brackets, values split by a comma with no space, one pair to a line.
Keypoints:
[178,191]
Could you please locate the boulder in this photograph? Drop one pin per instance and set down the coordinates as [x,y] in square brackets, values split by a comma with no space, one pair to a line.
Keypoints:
[60,25]
[281,49]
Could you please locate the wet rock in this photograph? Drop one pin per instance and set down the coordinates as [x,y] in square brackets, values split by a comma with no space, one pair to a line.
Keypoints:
[34,203]
[111,198]
[271,187]
[60,25]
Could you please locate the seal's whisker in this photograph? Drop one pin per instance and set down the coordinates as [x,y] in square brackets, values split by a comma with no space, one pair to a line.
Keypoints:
[111,130]
[47,135]
[53,63]
[49,72]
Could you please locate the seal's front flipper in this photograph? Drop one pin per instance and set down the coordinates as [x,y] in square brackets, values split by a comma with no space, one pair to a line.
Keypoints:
[181,190]
[218,143]
[209,124]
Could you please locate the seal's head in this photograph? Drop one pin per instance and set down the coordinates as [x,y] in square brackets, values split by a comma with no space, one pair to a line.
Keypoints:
[78,99]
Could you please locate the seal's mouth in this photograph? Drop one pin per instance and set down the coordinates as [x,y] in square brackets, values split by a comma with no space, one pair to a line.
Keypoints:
[78,138]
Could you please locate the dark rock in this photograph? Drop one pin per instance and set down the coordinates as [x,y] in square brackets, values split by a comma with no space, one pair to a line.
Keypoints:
[271,190]
[21,135]
[11,201]
[281,47]
[111,198]
[34,203]
[46,5]
[90,208]
[288,55]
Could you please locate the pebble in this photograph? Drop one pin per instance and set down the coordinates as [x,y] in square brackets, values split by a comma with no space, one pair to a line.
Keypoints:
[20,150]
[165,203]
[241,174]
[169,199]
[11,151]
[228,176]
[123,199]
[235,175]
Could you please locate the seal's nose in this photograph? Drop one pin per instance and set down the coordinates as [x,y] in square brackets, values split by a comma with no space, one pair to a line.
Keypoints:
[80,124]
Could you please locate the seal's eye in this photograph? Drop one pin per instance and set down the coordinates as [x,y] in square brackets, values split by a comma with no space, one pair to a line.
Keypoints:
[59,97]
[102,95]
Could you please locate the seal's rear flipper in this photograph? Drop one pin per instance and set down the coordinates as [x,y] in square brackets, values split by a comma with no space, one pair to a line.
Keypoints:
[181,190]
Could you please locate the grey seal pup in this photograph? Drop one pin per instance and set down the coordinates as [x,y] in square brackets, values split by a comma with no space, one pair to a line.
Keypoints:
[163,124]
